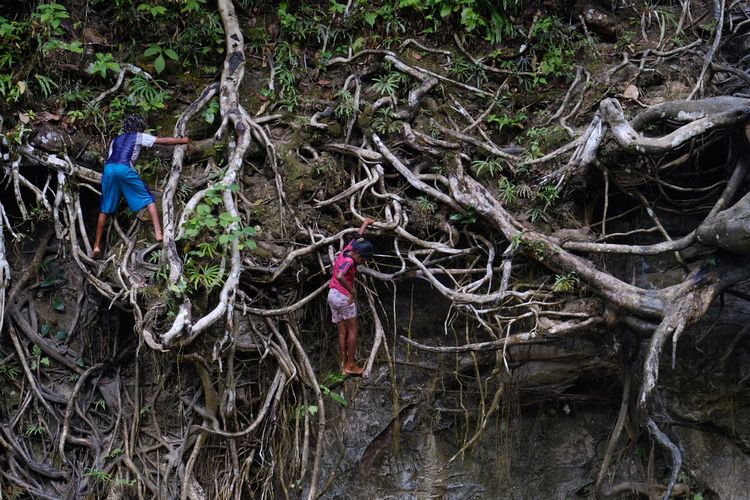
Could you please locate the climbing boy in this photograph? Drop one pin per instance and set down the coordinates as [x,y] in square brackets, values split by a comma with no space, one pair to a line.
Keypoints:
[341,297]
[120,178]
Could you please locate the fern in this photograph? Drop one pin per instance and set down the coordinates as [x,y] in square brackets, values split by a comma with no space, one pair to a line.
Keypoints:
[387,84]
[45,84]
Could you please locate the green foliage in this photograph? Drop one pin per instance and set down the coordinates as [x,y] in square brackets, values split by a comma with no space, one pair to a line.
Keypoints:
[541,139]
[34,430]
[302,409]
[125,483]
[147,94]
[10,30]
[425,205]
[37,359]
[488,18]
[387,84]
[466,218]
[492,166]
[387,18]
[58,305]
[538,248]
[193,5]
[56,44]
[286,65]
[516,120]
[208,234]
[49,16]
[98,475]
[548,194]
[464,70]
[205,276]
[104,63]
[332,379]
[9,370]
[300,26]
[345,105]
[202,38]
[211,110]
[566,283]
[386,121]
[508,190]
[157,53]
[53,275]
[545,197]
[152,10]
[10,90]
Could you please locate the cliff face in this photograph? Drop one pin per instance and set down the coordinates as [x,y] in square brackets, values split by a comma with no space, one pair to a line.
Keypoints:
[548,437]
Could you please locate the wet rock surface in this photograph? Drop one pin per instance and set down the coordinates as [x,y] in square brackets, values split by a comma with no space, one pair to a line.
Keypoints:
[548,437]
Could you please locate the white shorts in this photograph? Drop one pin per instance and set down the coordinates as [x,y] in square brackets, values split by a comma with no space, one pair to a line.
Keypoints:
[341,309]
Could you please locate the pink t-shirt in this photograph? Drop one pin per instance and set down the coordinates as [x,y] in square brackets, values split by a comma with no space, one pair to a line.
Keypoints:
[344,263]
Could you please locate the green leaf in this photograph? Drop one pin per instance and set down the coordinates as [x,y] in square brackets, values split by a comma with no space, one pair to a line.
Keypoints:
[61,335]
[58,305]
[159,64]
[45,329]
[312,409]
[171,54]
[340,399]
[370,18]
[234,187]
[152,50]
[44,361]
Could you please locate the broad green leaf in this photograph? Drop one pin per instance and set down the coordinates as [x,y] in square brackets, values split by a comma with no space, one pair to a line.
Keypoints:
[338,398]
[159,64]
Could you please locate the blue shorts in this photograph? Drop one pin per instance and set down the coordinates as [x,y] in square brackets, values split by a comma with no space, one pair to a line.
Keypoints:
[118,180]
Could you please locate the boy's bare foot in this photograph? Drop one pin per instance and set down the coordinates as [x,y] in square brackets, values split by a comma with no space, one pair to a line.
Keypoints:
[96,253]
[354,371]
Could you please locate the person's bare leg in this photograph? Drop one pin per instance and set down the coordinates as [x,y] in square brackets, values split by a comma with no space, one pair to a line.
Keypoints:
[100,224]
[351,347]
[154,214]
[342,344]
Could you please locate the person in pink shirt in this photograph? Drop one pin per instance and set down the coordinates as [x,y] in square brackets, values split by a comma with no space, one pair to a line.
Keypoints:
[342,297]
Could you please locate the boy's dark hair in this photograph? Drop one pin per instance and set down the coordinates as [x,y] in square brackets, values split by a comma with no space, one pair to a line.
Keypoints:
[133,123]
[363,247]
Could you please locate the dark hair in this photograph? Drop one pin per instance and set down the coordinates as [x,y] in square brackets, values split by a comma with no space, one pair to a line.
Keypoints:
[363,248]
[133,123]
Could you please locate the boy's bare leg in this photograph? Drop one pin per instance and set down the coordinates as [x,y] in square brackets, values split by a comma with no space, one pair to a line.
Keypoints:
[342,344]
[100,224]
[351,347]
[154,214]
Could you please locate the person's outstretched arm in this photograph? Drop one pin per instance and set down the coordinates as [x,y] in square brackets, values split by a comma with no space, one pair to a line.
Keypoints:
[172,140]
[364,225]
